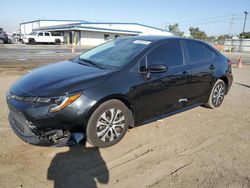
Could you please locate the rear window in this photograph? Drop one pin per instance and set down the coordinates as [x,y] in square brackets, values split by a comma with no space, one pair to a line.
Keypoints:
[196,51]
[210,53]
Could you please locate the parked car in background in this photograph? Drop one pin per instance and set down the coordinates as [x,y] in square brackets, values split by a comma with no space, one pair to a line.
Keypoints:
[3,37]
[20,39]
[11,39]
[17,36]
[117,85]
[42,37]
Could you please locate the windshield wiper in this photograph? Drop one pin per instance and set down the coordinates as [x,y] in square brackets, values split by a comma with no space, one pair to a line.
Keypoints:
[91,62]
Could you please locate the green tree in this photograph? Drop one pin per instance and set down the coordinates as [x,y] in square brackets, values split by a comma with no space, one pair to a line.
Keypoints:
[223,37]
[197,34]
[211,39]
[245,35]
[174,28]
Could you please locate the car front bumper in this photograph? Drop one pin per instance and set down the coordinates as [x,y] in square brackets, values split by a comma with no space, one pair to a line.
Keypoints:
[25,40]
[27,133]
[34,125]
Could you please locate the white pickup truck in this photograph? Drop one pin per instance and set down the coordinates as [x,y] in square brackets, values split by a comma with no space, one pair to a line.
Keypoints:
[42,37]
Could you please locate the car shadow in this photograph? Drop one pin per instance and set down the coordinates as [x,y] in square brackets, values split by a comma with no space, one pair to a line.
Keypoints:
[247,86]
[78,167]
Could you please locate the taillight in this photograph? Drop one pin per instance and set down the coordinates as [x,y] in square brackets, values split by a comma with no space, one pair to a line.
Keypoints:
[229,62]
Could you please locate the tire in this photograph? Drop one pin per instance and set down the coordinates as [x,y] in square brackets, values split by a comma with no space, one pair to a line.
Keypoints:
[217,94]
[108,124]
[32,41]
[57,41]
[1,41]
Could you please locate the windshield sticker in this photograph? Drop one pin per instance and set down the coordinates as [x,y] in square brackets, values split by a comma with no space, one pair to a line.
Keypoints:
[142,42]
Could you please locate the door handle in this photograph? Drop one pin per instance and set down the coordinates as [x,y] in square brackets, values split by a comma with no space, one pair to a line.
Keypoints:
[211,67]
[185,74]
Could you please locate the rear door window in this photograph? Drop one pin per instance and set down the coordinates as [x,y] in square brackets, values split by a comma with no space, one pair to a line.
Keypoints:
[196,51]
[210,53]
[169,53]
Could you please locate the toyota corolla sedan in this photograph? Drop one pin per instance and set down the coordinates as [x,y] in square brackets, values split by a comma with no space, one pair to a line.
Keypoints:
[120,84]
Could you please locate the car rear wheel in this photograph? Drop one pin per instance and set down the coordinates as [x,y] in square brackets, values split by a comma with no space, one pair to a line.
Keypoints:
[108,124]
[57,41]
[217,94]
[32,41]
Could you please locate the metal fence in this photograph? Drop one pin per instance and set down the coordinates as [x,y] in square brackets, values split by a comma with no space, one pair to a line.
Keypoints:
[239,45]
[232,45]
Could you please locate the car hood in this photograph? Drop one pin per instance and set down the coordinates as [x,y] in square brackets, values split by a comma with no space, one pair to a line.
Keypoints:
[28,35]
[59,79]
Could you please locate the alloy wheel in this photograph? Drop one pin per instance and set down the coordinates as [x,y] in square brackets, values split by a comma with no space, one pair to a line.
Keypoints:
[110,125]
[218,94]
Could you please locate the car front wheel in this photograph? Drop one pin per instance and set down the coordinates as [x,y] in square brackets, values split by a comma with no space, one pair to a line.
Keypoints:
[217,94]
[108,124]
[1,41]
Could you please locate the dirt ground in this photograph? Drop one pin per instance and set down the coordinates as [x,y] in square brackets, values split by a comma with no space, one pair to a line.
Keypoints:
[197,148]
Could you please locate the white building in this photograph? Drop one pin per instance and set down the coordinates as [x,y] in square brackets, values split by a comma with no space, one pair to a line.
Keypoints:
[86,33]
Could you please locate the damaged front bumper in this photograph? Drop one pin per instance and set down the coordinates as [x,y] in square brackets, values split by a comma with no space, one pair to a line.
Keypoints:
[34,124]
[28,133]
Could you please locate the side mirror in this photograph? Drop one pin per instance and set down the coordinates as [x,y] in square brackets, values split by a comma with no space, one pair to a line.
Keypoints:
[154,68]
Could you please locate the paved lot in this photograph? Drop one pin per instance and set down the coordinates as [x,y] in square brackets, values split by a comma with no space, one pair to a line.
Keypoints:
[197,148]
[235,57]
[21,58]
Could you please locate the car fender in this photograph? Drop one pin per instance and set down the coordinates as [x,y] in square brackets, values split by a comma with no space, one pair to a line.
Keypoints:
[123,98]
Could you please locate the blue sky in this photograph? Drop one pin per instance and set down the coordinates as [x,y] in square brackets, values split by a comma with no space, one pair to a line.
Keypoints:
[212,16]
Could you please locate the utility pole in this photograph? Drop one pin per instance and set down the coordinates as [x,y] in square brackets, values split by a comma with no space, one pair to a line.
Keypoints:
[246,13]
[244,25]
[229,34]
[230,29]
[231,24]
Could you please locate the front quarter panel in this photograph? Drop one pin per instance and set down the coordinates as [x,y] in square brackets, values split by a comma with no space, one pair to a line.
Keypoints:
[70,118]
[122,85]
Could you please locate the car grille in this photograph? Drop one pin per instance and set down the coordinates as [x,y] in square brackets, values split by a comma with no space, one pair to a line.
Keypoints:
[20,123]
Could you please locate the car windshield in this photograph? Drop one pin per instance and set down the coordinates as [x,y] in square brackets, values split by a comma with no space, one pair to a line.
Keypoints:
[116,53]
[33,33]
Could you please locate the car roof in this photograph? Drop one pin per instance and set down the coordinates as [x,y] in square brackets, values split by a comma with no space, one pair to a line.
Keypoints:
[157,38]
[153,37]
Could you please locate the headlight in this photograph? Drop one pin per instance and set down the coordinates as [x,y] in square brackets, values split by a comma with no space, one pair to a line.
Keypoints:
[43,100]
[57,103]
[63,102]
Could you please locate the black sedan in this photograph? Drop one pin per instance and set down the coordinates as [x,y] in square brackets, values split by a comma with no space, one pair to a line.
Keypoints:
[120,84]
